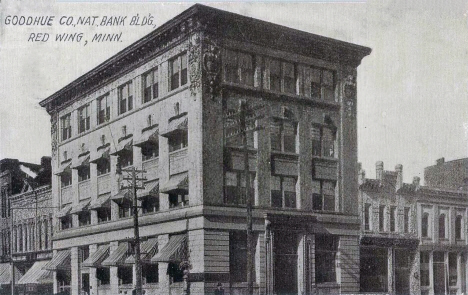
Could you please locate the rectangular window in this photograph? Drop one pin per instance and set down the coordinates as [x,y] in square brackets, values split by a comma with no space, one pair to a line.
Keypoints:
[83,119]
[84,218]
[150,85]
[239,68]
[125,275]
[149,151]
[458,227]
[65,179]
[406,219]
[149,204]
[4,201]
[322,84]
[125,159]
[393,219]
[326,247]
[275,75]
[323,195]
[453,278]
[178,140]
[178,71]
[125,209]
[373,270]
[382,218]
[104,214]
[238,256]
[323,142]
[283,192]
[178,200]
[103,166]
[425,225]
[367,216]
[289,78]
[65,123]
[234,187]
[232,135]
[424,268]
[103,275]
[66,222]
[150,273]
[103,107]
[125,93]
[283,135]
[84,253]
[83,173]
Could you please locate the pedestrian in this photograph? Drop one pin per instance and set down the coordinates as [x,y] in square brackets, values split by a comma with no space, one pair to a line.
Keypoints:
[219,289]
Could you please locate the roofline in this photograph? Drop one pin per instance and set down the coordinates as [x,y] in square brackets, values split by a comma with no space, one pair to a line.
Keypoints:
[445,162]
[191,11]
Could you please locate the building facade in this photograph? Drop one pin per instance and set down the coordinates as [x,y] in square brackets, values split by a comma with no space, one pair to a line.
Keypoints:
[413,237]
[447,174]
[165,105]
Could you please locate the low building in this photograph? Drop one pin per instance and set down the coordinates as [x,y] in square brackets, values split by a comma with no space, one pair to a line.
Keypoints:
[447,174]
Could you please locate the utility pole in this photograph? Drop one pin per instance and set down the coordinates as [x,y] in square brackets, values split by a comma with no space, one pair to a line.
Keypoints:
[243,119]
[134,187]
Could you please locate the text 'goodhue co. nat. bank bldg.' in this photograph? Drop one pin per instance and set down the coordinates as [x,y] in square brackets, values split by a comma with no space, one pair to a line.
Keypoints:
[164,105]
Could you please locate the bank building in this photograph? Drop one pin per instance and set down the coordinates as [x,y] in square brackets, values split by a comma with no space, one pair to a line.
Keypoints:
[167,105]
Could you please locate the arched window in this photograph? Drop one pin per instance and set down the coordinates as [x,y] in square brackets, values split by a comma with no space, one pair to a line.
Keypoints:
[425,225]
[458,227]
[442,226]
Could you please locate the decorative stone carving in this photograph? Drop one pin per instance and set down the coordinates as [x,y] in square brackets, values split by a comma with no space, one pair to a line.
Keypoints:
[54,133]
[212,67]
[349,93]
[194,57]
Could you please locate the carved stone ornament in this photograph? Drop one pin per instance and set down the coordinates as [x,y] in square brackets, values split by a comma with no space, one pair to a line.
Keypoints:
[53,133]
[194,57]
[349,93]
[212,67]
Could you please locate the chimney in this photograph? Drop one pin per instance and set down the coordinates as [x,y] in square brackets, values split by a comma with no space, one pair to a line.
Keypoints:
[440,161]
[399,179]
[417,182]
[361,174]
[379,170]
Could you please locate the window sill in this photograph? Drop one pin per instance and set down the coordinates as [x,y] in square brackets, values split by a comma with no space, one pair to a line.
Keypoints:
[328,285]
[184,149]
[276,153]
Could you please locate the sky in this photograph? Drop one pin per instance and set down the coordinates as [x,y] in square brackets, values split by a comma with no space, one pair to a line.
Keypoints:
[412,88]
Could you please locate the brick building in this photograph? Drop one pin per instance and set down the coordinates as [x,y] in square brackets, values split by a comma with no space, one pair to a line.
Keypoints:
[451,174]
[163,105]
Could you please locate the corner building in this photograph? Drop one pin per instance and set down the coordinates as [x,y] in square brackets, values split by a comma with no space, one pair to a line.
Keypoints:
[164,105]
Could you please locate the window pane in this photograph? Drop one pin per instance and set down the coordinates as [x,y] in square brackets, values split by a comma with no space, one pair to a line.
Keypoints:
[238,256]
[275,75]
[275,136]
[328,78]
[317,203]
[246,66]
[442,226]
[231,67]
[289,78]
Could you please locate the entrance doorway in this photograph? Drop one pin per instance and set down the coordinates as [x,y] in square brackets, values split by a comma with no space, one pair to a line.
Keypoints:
[285,263]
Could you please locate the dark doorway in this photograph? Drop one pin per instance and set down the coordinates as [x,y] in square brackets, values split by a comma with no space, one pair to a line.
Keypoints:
[85,282]
[402,271]
[439,273]
[285,263]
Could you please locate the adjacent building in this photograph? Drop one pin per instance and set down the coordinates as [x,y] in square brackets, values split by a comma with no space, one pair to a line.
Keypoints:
[447,175]
[166,105]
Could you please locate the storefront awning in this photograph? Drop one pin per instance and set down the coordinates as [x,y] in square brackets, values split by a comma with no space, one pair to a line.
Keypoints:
[151,189]
[174,251]
[81,161]
[61,260]
[100,202]
[65,167]
[122,195]
[101,153]
[5,273]
[118,256]
[148,136]
[64,211]
[95,259]
[176,125]
[82,206]
[123,145]
[36,274]
[148,249]
[177,183]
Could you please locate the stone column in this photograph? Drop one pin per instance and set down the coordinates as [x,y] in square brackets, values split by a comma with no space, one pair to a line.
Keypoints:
[164,284]
[391,271]
[44,234]
[260,262]
[75,271]
[93,282]
[55,282]
[415,275]
[114,186]
[25,237]
[459,273]
[50,233]
[431,272]
[114,279]
[301,264]
[13,242]
[93,189]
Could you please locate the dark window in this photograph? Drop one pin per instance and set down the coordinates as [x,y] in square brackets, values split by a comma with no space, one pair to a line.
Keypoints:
[150,85]
[322,84]
[103,166]
[458,227]
[442,226]
[323,195]
[125,208]
[125,275]
[175,273]
[178,140]
[373,269]
[103,107]
[406,220]
[178,200]
[382,218]
[103,275]
[452,261]
[150,272]
[239,68]
[283,192]
[425,225]
[424,268]
[283,135]
[125,97]
[289,78]
[66,222]
[4,201]
[125,159]
[65,123]
[367,216]
[84,218]
[238,256]
[234,188]
[66,179]
[326,247]
[83,119]
[393,219]
[150,204]
[104,214]
[84,253]
[149,151]
[275,75]
[83,173]
[323,142]
[178,71]
[232,135]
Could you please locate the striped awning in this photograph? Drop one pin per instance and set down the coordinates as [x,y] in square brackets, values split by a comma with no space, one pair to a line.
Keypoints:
[151,189]
[122,195]
[64,168]
[148,136]
[102,153]
[118,256]
[177,183]
[95,259]
[36,274]
[100,202]
[81,161]
[123,145]
[148,249]
[175,125]
[82,206]
[61,260]
[174,251]
[5,273]
[64,211]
